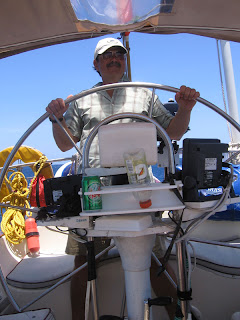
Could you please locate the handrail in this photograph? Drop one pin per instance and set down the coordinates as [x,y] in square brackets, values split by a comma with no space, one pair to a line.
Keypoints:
[28,164]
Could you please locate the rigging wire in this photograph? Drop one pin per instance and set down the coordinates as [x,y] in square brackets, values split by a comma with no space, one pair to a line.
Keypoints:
[223,92]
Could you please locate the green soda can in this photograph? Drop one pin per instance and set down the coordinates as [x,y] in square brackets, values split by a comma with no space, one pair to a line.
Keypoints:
[94,201]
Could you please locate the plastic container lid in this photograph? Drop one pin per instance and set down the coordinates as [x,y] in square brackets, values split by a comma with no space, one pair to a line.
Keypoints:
[145,204]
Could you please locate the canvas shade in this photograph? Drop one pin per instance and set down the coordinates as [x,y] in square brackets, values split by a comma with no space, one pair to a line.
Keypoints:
[30,24]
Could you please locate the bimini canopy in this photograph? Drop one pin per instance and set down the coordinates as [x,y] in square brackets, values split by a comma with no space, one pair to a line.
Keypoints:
[31,24]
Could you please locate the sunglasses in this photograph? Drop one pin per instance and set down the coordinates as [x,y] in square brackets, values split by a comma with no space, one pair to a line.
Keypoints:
[109,55]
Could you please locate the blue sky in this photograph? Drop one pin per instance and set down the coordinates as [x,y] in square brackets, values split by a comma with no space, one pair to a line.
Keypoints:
[29,81]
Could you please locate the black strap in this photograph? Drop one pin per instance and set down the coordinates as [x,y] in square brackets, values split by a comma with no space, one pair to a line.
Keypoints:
[30,234]
[91,261]
[54,121]
[184,295]
[178,314]
[160,301]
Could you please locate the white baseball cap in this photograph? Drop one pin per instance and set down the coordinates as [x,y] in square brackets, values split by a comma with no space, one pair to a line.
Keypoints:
[104,44]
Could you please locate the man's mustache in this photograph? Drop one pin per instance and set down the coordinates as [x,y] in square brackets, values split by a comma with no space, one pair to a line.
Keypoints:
[114,63]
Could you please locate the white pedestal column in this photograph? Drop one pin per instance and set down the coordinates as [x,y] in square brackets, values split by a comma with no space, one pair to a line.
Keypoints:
[136,261]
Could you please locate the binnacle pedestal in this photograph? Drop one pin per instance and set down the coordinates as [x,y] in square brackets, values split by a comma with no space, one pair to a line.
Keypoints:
[136,261]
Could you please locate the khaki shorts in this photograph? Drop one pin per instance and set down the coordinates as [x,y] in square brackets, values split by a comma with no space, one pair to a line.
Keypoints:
[76,248]
[79,249]
[160,247]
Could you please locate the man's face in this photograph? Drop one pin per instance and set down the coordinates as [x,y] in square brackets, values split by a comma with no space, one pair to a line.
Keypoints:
[111,65]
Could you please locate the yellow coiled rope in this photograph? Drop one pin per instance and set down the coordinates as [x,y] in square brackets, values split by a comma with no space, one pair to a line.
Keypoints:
[37,167]
[13,220]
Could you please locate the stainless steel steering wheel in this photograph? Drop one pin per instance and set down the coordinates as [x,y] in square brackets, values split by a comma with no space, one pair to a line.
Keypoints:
[109,87]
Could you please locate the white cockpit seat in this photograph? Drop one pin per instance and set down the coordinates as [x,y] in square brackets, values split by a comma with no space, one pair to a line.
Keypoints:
[45,269]
[40,272]
[216,258]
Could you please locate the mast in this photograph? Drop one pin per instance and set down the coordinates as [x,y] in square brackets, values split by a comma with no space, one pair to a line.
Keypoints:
[230,87]
[125,37]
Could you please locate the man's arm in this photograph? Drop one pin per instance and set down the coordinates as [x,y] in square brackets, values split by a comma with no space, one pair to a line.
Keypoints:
[186,99]
[61,139]
[58,108]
